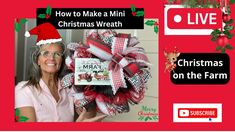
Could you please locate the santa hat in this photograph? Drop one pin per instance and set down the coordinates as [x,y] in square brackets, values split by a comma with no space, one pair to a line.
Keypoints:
[46,32]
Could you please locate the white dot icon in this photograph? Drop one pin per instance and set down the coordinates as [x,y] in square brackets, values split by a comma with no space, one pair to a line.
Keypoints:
[177,18]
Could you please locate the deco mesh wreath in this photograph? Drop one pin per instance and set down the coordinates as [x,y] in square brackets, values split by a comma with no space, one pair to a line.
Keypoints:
[128,72]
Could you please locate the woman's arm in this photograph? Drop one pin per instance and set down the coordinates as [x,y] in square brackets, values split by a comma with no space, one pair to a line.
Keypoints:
[85,116]
[28,112]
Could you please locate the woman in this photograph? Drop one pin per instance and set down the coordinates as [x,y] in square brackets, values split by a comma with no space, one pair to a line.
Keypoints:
[42,99]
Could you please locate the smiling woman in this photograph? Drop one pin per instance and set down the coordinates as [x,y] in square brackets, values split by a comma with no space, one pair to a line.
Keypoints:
[41,98]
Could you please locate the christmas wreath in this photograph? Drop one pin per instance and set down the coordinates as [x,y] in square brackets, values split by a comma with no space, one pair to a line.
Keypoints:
[127,71]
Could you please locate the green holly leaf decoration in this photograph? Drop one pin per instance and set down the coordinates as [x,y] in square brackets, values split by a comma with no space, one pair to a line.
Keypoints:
[17,27]
[42,16]
[223,50]
[20,118]
[228,27]
[23,119]
[139,13]
[226,32]
[150,22]
[156,29]
[48,11]
[229,22]
[232,1]
[228,46]
[133,9]
[215,32]
[218,48]
[229,36]
[17,112]
[228,10]
[147,118]
[214,38]
[23,21]
[155,118]
[141,118]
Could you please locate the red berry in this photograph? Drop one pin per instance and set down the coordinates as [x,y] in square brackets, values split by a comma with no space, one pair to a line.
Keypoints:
[222,41]
[156,23]
[17,20]
[17,118]
[134,13]
[226,17]
[47,16]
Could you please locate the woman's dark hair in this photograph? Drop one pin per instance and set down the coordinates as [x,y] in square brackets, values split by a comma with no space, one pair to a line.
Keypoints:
[35,71]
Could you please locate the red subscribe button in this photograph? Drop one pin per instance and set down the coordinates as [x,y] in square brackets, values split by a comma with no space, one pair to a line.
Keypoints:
[197,112]
[194,18]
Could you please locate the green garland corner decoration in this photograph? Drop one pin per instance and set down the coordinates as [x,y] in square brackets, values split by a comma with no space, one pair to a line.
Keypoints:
[19,118]
[153,23]
[19,22]
[47,15]
[136,13]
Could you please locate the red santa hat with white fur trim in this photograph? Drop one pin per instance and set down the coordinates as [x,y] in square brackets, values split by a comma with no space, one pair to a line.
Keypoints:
[46,32]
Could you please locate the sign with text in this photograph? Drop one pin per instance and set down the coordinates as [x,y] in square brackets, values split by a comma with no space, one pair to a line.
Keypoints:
[91,71]
[201,68]
[95,18]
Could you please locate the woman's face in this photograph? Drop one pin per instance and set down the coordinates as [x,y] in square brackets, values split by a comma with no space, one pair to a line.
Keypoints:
[50,58]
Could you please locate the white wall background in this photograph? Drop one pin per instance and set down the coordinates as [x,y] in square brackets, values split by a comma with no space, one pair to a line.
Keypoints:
[148,40]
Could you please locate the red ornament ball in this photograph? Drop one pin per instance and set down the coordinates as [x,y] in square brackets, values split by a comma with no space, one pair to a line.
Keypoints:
[226,17]
[222,41]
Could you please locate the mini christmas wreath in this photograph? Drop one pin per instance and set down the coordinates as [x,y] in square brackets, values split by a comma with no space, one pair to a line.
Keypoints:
[127,71]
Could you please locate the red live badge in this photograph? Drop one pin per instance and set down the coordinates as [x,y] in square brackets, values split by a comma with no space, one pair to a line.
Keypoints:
[194,18]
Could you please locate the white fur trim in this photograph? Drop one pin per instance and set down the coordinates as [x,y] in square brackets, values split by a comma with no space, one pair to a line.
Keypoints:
[27,34]
[48,41]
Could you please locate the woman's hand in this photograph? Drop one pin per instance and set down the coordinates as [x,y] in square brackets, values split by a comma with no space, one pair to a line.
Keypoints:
[85,117]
